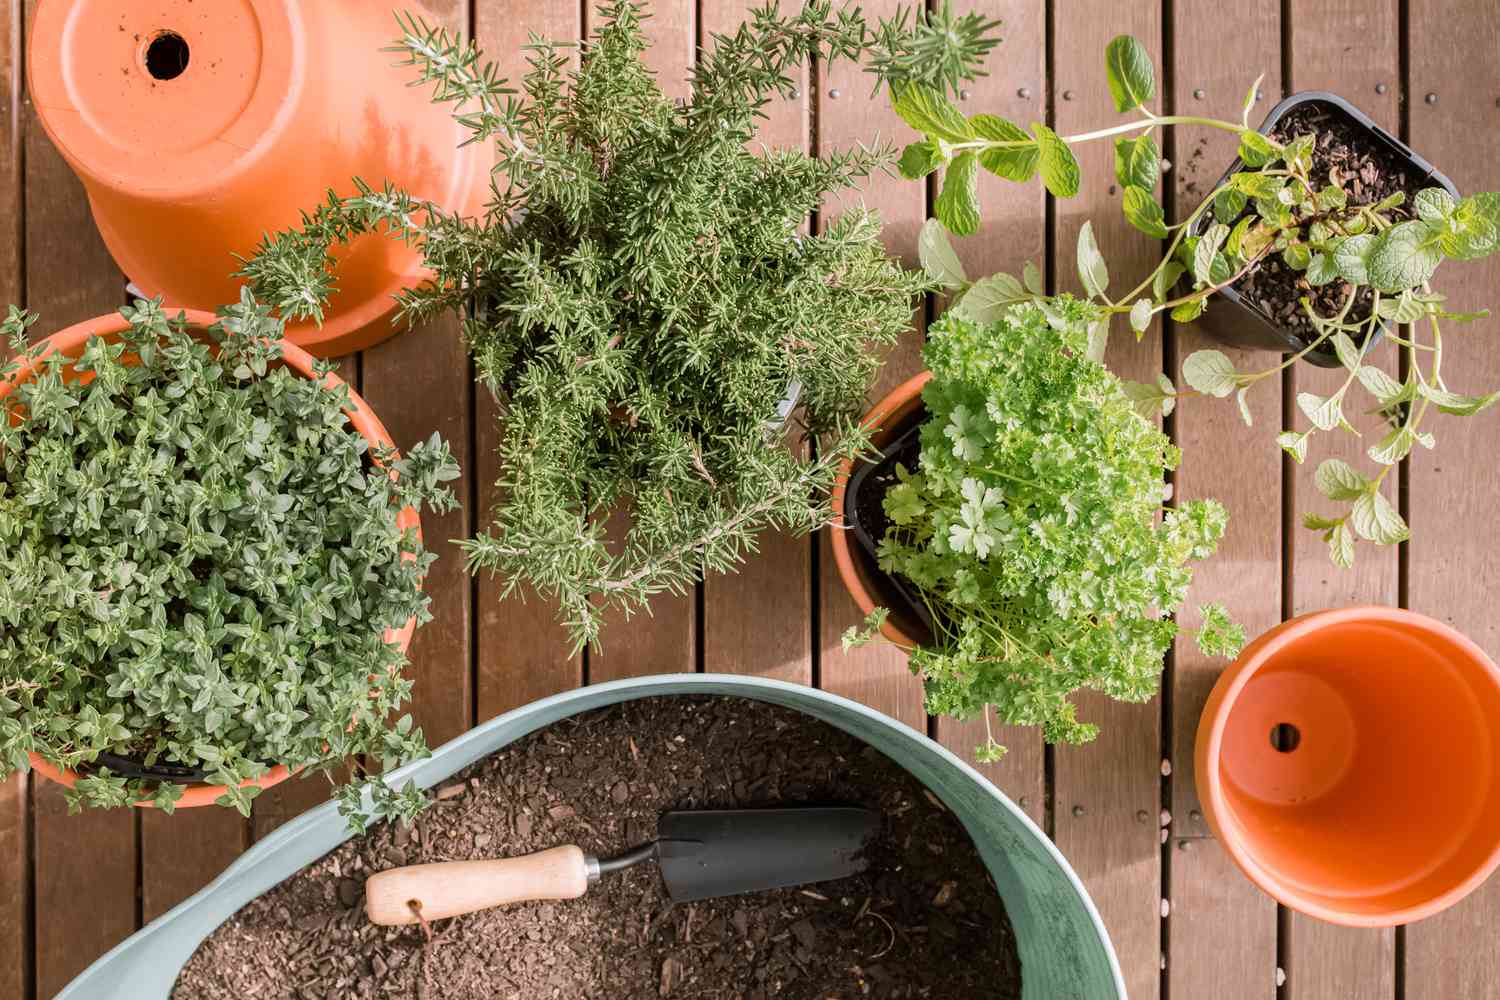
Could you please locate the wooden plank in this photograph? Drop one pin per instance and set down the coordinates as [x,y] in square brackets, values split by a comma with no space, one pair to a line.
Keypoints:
[1452,571]
[662,638]
[1013,231]
[86,875]
[1322,960]
[1102,788]
[15,873]
[15,839]
[758,620]
[418,382]
[523,654]
[182,853]
[1222,928]
[847,113]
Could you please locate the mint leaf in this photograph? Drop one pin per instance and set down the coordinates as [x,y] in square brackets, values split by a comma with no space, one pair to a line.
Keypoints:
[1166,279]
[1206,250]
[1341,546]
[1434,205]
[1210,372]
[1325,414]
[1337,480]
[957,205]
[939,260]
[920,159]
[1142,212]
[1256,150]
[1060,170]
[1403,256]
[1374,518]
[1459,405]
[1294,444]
[989,297]
[1092,271]
[1014,163]
[930,112]
[1321,270]
[1137,162]
[1140,315]
[1132,79]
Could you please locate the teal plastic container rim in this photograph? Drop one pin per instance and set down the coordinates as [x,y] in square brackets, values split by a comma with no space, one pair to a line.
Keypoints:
[1065,951]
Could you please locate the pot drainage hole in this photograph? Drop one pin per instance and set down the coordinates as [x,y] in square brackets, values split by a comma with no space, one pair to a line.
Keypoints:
[1285,737]
[167,56]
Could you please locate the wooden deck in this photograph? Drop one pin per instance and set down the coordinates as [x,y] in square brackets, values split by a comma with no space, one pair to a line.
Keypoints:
[1185,923]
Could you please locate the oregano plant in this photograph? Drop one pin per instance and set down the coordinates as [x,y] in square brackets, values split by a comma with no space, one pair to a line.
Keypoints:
[1379,255]
[201,559]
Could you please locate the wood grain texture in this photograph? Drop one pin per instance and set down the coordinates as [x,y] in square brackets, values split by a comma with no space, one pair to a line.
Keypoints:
[15,821]
[1013,231]
[86,875]
[1349,47]
[1242,468]
[662,638]
[847,113]
[523,653]
[182,853]
[1101,788]
[402,378]
[1453,573]
[758,620]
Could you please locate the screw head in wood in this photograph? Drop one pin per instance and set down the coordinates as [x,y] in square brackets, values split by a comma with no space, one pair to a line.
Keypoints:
[1194,815]
[1381,88]
[1021,802]
[1141,815]
[1024,93]
[1067,95]
[1430,98]
[796,93]
[1078,810]
[834,93]
[963,95]
[1198,93]
[1183,845]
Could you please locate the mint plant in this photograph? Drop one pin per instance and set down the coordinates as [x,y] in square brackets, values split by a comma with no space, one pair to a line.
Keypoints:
[1034,527]
[201,558]
[1381,256]
[641,299]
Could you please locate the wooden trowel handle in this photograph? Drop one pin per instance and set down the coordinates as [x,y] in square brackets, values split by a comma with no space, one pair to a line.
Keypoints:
[451,888]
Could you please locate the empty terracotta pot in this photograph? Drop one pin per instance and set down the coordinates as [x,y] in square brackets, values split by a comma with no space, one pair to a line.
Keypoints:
[1347,762]
[198,127]
[71,343]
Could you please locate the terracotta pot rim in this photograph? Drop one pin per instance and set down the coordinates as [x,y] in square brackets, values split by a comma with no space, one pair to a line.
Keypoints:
[894,406]
[361,417]
[1209,747]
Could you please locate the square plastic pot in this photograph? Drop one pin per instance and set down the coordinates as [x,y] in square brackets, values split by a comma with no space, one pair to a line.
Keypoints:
[1065,951]
[1230,318]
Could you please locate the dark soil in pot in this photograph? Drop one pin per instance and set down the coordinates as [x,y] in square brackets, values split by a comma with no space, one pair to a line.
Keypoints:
[864,511]
[924,921]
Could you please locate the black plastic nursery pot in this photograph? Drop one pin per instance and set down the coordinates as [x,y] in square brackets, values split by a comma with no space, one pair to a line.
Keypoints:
[1234,318]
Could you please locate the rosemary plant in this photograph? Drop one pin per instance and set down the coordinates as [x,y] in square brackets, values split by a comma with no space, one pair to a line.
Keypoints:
[640,297]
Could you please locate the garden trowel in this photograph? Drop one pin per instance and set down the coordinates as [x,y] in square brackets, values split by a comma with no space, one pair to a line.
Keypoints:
[701,855]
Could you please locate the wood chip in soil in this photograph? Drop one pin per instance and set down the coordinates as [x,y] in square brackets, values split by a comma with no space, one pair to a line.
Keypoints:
[924,921]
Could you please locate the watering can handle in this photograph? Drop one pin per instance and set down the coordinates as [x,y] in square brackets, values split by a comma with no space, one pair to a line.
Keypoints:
[451,888]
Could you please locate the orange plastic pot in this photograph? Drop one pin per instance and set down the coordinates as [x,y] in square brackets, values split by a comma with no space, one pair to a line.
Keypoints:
[862,577]
[1347,762]
[71,343]
[198,127]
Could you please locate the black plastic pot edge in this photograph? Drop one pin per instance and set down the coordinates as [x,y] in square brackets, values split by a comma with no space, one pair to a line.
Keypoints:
[868,544]
[130,767]
[1247,327]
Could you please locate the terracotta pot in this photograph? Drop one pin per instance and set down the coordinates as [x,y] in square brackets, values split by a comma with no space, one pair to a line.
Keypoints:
[71,343]
[1348,761]
[866,584]
[272,103]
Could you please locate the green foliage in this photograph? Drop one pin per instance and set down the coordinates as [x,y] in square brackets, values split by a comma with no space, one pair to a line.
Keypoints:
[201,559]
[1382,256]
[1034,527]
[639,298]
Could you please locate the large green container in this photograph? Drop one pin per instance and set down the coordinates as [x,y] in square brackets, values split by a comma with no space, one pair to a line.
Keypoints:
[1065,952]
